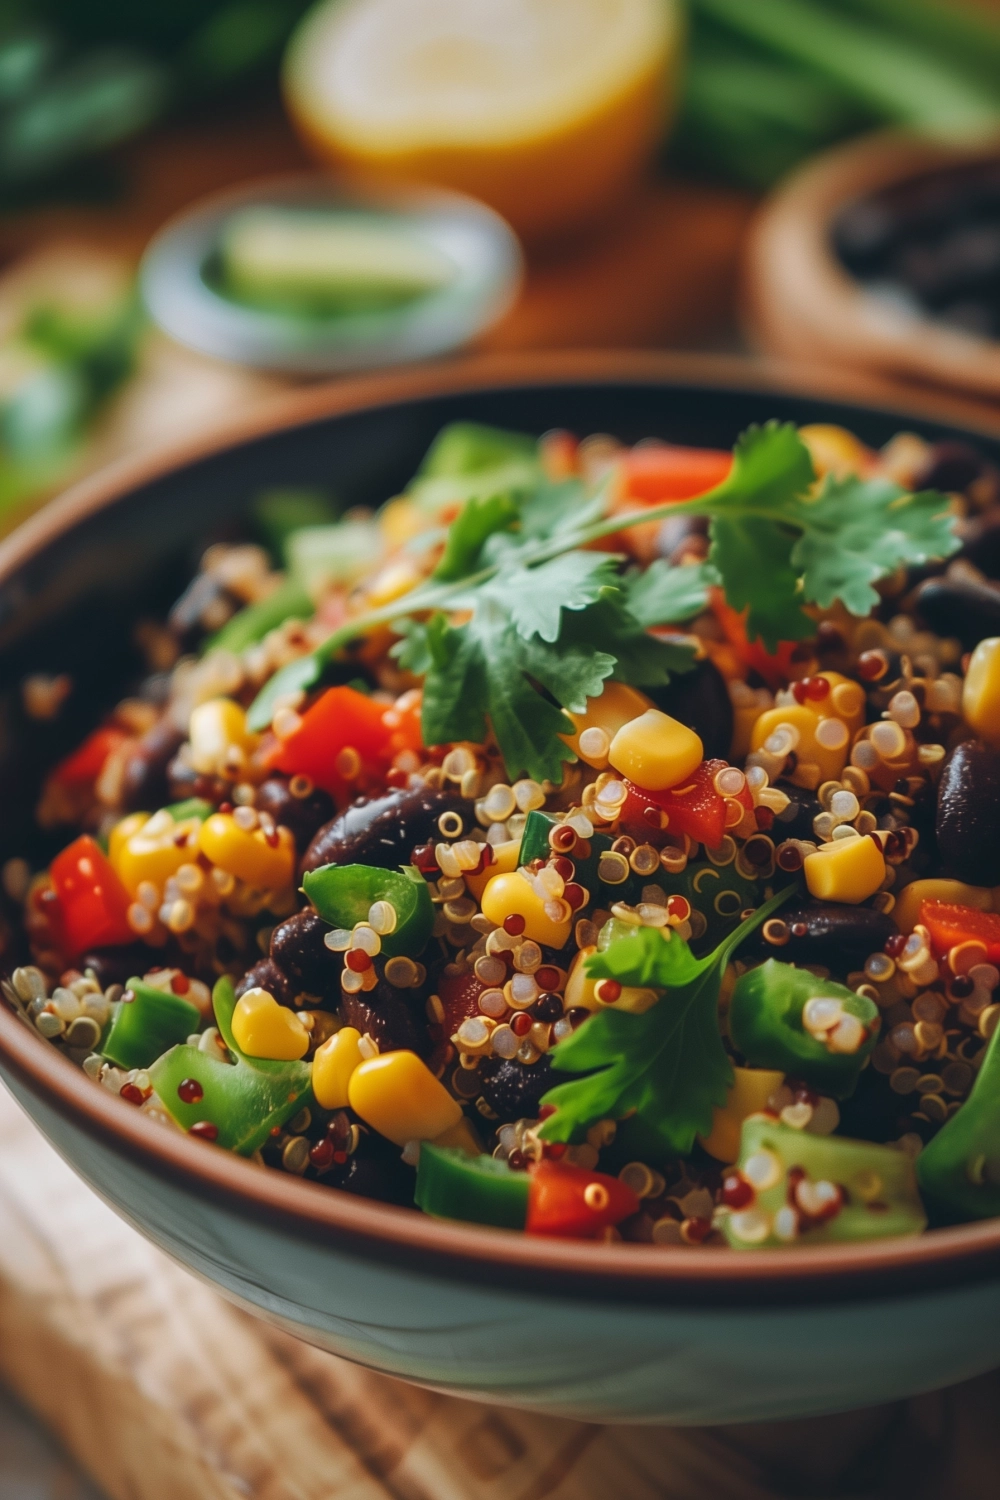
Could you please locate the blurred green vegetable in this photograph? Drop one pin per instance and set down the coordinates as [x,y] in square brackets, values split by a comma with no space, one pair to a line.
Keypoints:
[771,81]
[56,374]
[76,79]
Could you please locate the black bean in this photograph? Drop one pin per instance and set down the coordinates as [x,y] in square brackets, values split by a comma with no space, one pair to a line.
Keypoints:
[981,542]
[298,949]
[700,699]
[145,783]
[796,821]
[959,607]
[267,976]
[204,605]
[952,467]
[968,814]
[184,782]
[392,1017]
[118,965]
[512,1089]
[383,831]
[301,815]
[837,937]
[375,1170]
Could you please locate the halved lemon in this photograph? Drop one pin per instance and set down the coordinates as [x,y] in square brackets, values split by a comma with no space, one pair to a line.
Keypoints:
[546,109]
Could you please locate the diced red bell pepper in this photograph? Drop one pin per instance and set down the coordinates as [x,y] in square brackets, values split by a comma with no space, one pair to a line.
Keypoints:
[655,472]
[93,903]
[86,763]
[774,667]
[572,1203]
[950,924]
[341,719]
[695,808]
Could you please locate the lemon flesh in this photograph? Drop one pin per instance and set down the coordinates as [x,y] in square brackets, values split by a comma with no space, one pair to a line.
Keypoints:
[544,108]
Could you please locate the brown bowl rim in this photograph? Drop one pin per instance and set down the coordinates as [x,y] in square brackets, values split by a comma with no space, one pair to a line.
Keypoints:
[578,1269]
[796,294]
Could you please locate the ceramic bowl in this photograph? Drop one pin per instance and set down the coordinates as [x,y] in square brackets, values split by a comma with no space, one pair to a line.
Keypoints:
[610,1333]
[181,297]
[800,302]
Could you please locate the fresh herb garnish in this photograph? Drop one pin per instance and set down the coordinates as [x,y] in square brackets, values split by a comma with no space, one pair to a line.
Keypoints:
[547,622]
[667,1065]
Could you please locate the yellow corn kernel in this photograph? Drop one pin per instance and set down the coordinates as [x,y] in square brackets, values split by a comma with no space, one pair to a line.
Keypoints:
[906,912]
[510,895]
[981,691]
[333,1065]
[848,870]
[579,992]
[655,751]
[399,521]
[155,851]
[248,855]
[504,861]
[461,1137]
[122,832]
[805,718]
[615,707]
[748,1094]
[215,729]
[398,1095]
[263,1028]
[836,451]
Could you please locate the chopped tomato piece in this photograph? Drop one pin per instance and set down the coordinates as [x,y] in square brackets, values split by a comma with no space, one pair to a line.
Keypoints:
[93,903]
[655,472]
[572,1203]
[86,763]
[341,720]
[950,924]
[694,808]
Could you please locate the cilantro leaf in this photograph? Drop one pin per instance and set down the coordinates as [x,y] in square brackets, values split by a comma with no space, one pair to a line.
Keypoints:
[476,523]
[667,1065]
[640,659]
[665,595]
[859,530]
[536,597]
[771,465]
[754,557]
[483,673]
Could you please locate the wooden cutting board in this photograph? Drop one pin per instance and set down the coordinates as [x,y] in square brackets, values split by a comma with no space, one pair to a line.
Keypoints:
[162,1391]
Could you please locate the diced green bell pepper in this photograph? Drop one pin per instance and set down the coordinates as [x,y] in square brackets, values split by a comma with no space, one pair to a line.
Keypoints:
[479,1189]
[959,1169]
[245,1100]
[289,601]
[192,807]
[343,894]
[765,1024]
[146,1024]
[877,1196]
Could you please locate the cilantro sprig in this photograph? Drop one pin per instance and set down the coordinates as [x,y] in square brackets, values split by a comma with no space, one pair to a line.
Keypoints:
[518,623]
[667,1065]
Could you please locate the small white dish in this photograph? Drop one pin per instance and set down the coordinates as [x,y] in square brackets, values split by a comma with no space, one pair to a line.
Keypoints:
[179,295]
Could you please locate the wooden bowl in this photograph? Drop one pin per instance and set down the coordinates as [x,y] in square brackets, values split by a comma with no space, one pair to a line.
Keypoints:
[799,301]
[602,1332]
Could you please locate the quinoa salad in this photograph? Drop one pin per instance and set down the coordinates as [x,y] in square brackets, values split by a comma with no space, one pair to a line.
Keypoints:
[591,841]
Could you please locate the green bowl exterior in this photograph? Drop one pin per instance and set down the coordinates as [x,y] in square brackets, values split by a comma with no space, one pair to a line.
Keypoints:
[593,1361]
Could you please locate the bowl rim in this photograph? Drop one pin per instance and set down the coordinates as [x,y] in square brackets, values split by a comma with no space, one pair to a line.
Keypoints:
[940,1258]
[796,293]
